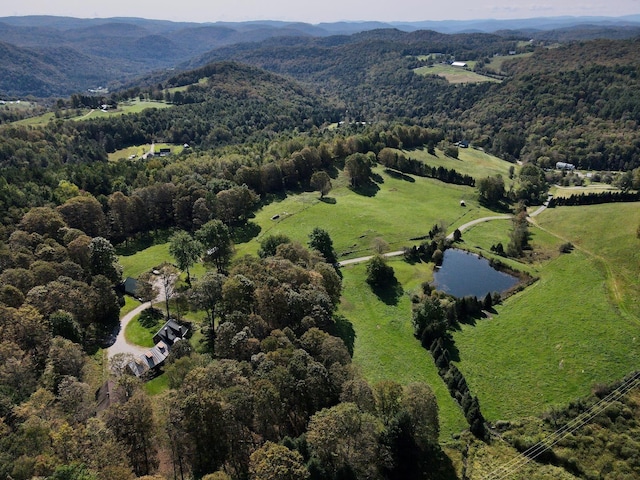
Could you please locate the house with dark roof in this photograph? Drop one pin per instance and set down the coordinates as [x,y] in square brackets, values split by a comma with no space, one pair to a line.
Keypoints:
[170,333]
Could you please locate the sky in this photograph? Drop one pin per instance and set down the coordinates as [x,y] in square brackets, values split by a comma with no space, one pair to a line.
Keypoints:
[320,11]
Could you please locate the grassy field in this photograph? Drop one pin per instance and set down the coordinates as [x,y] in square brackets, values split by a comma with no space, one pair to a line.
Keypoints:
[576,326]
[385,348]
[133,106]
[140,150]
[559,191]
[399,211]
[497,62]
[144,260]
[568,331]
[608,234]
[454,74]
[470,161]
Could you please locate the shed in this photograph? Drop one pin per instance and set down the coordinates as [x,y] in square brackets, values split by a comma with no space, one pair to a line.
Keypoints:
[459,64]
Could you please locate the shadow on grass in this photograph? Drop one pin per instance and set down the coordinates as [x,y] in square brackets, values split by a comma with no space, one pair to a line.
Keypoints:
[246,232]
[343,328]
[399,175]
[450,346]
[390,295]
[368,190]
[142,242]
[329,200]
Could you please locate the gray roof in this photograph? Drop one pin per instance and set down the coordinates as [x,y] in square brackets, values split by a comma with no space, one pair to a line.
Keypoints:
[150,359]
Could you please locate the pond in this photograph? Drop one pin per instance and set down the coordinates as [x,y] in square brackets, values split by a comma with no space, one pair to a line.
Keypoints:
[463,273]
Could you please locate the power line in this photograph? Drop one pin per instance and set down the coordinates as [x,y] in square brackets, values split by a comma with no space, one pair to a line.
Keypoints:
[534,451]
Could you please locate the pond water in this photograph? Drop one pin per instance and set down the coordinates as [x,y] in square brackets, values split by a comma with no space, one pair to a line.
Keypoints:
[463,273]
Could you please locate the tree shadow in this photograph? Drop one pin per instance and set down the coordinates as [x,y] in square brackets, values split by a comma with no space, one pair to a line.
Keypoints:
[343,328]
[142,242]
[450,346]
[246,232]
[333,171]
[390,295]
[329,200]
[368,190]
[377,178]
[399,175]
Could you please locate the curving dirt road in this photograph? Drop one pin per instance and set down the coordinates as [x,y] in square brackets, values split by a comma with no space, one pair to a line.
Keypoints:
[121,345]
[397,253]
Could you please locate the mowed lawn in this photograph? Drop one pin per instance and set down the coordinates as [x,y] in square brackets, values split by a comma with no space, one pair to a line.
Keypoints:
[399,210]
[385,348]
[551,343]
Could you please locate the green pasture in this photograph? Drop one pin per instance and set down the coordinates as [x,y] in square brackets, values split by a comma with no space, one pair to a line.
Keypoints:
[559,191]
[144,260]
[470,161]
[38,120]
[607,233]
[454,74]
[140,150]
[575,327]
[385,348]
[132,106]
[498,61]
[480,237]
[549,344]
[202,81]
[399,210]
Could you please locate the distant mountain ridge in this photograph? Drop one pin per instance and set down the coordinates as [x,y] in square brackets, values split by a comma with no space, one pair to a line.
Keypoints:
[111,51]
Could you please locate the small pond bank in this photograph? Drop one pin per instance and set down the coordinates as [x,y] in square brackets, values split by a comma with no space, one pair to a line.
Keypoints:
[467,274]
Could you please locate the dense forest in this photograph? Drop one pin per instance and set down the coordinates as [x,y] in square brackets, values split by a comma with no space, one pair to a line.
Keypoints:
[271,387]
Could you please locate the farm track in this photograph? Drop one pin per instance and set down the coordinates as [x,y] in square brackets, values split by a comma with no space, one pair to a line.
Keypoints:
[397,253]
[612,282]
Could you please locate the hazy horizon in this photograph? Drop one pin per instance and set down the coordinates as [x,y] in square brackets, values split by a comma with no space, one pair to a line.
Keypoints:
[327,11]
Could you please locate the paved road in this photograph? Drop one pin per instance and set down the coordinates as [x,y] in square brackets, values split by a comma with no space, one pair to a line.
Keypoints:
[397,253]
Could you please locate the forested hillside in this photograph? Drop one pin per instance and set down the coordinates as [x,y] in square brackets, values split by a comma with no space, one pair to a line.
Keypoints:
[265,382]
[558,107]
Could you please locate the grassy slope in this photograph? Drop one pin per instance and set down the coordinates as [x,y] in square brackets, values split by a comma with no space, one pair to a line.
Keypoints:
[144,260]
[400,210]
[454,74]
[385,347]
[470,161]
[134,106]
[552,342]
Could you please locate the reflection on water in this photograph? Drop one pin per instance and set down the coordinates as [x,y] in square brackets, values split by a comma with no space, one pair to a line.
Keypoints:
[463,273]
